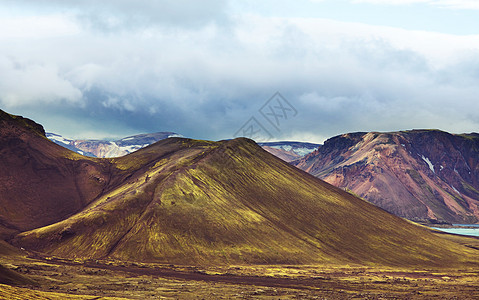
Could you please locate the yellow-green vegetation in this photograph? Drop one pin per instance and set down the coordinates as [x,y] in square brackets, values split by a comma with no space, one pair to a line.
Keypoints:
[16,293]
[196,202]
[106,279]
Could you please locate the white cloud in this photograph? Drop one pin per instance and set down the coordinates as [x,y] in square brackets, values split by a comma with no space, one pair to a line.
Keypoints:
[458,4]
[24,84]
[37,27]
[454,4]
[110,15]
[205,81]
[392,2]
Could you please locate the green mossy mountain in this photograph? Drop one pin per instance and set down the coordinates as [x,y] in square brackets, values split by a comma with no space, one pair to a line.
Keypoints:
[186,201]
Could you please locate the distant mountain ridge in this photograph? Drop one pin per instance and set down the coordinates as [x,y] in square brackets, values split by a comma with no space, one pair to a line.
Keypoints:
[418,174]
[106,149]
[289,151]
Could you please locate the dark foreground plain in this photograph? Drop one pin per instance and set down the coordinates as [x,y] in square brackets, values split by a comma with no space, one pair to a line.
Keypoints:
[34,276]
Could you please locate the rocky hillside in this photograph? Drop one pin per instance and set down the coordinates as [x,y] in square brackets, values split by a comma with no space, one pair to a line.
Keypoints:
[41,182]
[419,174]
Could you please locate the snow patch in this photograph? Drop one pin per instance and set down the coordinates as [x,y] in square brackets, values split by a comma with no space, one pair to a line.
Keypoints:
[58,138]
[174,135]
[299,151]
[456,190]
[429,163]
[128,139]
[303,151]
[284,147]
[441,168]
[131,148]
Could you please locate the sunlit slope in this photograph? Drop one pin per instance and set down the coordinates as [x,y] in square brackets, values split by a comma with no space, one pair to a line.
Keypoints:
[201,202]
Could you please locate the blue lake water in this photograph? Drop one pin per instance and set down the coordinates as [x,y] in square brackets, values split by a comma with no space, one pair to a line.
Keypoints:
[462,231]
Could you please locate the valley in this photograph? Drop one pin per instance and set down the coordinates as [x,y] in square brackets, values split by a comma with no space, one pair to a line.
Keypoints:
[92,279]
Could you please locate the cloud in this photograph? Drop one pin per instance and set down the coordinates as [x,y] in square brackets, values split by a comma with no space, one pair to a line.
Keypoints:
[458,4]
[113,15]
[184,71]
[36,27]
[24,84]
[453,4]
[392,2]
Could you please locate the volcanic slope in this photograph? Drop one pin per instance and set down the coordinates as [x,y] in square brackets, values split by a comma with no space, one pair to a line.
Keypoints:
[41,182]
[197,202]
[419,174]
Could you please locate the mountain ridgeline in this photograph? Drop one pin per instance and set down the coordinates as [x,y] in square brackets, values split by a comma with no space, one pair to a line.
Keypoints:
[186,201]
[287,151]
[418,174]
[106,149]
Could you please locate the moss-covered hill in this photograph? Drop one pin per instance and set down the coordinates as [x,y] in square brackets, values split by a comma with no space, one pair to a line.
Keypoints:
[194,202]
[197,202]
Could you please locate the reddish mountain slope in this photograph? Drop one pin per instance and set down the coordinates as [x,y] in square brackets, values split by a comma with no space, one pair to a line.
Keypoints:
[41,182]
[419,174]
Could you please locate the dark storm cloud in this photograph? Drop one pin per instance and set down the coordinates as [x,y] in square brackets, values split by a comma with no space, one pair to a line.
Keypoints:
[195,69]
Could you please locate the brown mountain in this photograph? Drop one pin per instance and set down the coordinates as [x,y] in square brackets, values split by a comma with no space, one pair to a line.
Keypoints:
[197,202]
[41,182]
[419,174]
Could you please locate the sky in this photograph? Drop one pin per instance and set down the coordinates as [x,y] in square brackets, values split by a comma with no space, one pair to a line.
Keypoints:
[302,70]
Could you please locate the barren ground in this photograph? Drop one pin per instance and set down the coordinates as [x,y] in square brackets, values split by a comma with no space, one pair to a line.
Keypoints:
[102,279]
